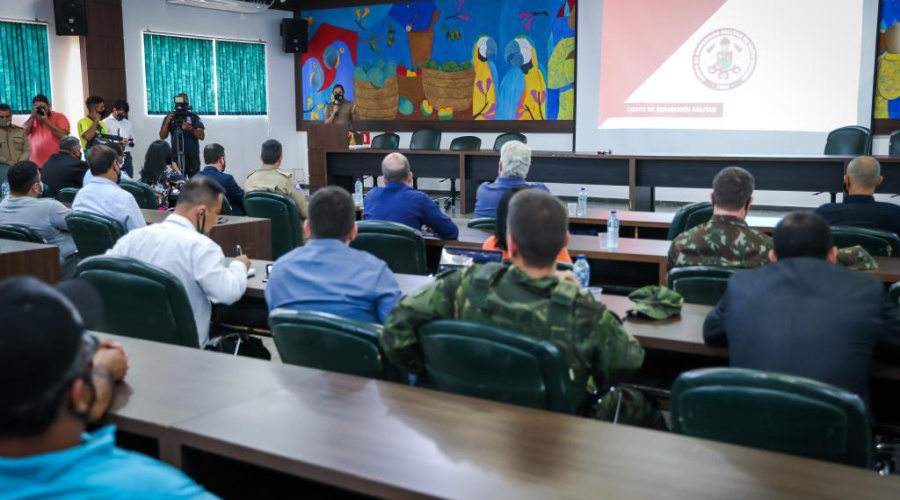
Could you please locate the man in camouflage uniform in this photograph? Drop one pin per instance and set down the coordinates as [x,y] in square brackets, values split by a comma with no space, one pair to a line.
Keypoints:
[274,180]
[528,298]
[726,240]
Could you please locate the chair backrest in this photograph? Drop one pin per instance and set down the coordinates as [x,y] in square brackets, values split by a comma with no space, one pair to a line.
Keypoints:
[401,247]
[426,138]
[682,219]
[876,242]
[509,136]
[465,143]
[19,232]
[141,301]
[327,342]
[282,211]
[491,363]
[849,141]
[226,207]
[775,412]
[94,234]
[46,192]
[66,195]
[387,140]
[699,285]
[894,294]
[894,145]
[4,172]
[142,193]
[483,223]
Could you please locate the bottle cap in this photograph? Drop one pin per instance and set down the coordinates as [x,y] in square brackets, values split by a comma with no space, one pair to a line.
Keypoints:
[580,256]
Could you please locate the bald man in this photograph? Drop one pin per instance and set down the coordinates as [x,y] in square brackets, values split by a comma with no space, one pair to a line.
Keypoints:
[859,208]
[398,202]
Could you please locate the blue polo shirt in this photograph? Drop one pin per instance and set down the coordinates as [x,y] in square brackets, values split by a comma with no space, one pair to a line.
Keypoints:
[233,191]
[397,202]
[96,469]
[487,199]
[862,211]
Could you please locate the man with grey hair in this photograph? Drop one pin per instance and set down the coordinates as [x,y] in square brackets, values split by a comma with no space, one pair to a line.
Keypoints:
[515,160]
[859,208]
[65,168]
[398,202]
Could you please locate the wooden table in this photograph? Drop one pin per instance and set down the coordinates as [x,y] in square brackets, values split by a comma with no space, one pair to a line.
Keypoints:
[634,221]
[254,235]
[29,259]
[390,441]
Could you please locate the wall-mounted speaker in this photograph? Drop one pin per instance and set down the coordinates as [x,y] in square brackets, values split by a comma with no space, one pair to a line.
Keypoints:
[294,33]
[71,17]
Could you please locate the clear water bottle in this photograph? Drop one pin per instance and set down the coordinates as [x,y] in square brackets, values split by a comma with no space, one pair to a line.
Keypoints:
[582,203]
[612,230]
[582,271]
[4,191]
[358,192]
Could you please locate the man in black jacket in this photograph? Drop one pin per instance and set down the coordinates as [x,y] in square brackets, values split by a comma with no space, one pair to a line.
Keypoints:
[65,168]
[805,315]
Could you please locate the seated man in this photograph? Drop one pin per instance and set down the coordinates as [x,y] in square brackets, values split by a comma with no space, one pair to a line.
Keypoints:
[45,216]
[214,156]
[180,245]
[398,202]
[274,180]
[326,274]
[515,160]
[88,176]
[65,169]
[803,315]
[49,396]
[527,298]
[103,195]
[726,240]
[859,208]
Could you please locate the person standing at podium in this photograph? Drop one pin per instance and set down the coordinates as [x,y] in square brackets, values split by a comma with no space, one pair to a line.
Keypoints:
[340,111]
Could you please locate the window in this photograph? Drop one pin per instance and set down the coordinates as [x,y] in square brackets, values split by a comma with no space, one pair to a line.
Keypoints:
[25,59]
[220,77]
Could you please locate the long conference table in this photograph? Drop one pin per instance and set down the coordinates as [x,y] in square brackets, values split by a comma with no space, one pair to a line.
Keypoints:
[254,235]
[30,259]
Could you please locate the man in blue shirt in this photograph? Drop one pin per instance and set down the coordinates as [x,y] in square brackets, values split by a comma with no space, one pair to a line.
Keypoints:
[515,160]
[327,275]
[397,202]
[214,156]
[103,195]
[859,208]
[47,399]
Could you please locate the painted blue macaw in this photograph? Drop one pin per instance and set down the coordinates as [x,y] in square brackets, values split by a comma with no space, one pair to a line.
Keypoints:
[523,91]
[338,61]
[314,99]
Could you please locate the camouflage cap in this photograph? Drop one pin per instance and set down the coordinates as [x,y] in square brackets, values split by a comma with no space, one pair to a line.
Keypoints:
[656,302]
[856,258]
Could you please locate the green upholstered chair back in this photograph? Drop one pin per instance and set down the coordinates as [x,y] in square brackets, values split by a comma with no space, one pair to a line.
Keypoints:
[894,294]
[226,207]
[66,195]
[94,234]
[509,136]
[894,145]
[465,143]
[327,342]
[401,247]
[683,218]
[4,172]
[700,285]
[483,223]
[282,211]
[849,141]
[142,193]
[490,363]
[386,141]
[141,301]
[426,138]
[774,412]
[876,242]
[19,232]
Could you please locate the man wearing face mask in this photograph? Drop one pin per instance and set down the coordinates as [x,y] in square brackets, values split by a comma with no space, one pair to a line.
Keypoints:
[117,123]
[214,156]
[180,245]
[65,168]
[45,128]
[340,111]
[14,145]
[103,195]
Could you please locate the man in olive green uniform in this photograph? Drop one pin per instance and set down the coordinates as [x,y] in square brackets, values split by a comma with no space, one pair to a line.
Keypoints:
[726,240]
[527,298]
[271,179]
[340,111]
[14,145]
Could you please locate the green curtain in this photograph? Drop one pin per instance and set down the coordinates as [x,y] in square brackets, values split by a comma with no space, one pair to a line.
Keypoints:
[241,76]
[176,65]
[24,64]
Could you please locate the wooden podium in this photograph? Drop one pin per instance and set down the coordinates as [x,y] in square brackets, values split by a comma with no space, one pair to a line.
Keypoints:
[319,139]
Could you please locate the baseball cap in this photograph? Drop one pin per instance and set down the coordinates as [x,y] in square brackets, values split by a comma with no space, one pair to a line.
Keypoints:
[656,302]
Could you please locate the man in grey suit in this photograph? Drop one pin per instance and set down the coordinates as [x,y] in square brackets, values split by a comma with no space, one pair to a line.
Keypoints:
[805,315]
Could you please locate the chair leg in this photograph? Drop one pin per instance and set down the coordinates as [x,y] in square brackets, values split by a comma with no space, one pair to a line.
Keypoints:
[453,191]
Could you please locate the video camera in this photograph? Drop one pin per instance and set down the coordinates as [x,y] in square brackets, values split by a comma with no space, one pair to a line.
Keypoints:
[182,108]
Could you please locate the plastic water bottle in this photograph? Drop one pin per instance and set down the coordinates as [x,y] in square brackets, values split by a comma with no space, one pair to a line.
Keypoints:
[358,192]
[582,271]
[582,203]
[4,191]
[612,230]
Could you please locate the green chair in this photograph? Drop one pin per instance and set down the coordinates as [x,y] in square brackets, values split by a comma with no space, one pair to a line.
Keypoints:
[327,342]
[849,141]
[876,242]
[226,207]
[94,234]
[465,143]
[507,137]
[426,139]
[685,218]
[894,294]
[386,141]
[66,195]
[19,232]
[700,285]
[4,172]
[483,223]
[401,247]
[142,193]
[490,363]
[775,412]
[287,234]
[894,145]
[141,301]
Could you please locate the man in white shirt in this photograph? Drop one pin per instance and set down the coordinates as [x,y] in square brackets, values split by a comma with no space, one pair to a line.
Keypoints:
[103,195]
[179,245]
[117,123]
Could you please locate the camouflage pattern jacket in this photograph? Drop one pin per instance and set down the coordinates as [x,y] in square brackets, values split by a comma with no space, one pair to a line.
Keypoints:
[724,241]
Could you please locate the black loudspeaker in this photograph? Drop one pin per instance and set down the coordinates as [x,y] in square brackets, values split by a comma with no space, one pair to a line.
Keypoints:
[71,17]
[294,33]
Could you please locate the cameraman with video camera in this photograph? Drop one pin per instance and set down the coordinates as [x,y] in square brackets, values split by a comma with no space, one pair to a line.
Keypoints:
[187,130]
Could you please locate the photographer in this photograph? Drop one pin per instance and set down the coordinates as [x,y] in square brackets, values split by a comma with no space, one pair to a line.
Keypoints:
[118,124]
[186,124]
[44,129]
[91,125]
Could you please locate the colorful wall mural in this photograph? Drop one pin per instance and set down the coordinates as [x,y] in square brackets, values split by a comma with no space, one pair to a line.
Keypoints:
[887,88]
[444,60]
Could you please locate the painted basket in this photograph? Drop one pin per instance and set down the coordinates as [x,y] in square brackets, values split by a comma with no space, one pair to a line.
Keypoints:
[373,103]
[411,88]
[449,90]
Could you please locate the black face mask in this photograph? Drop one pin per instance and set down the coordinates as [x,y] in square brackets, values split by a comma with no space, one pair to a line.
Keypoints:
[338,97]
[201,221]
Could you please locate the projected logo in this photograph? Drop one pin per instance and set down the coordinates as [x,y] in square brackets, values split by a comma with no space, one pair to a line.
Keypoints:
[724,59]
